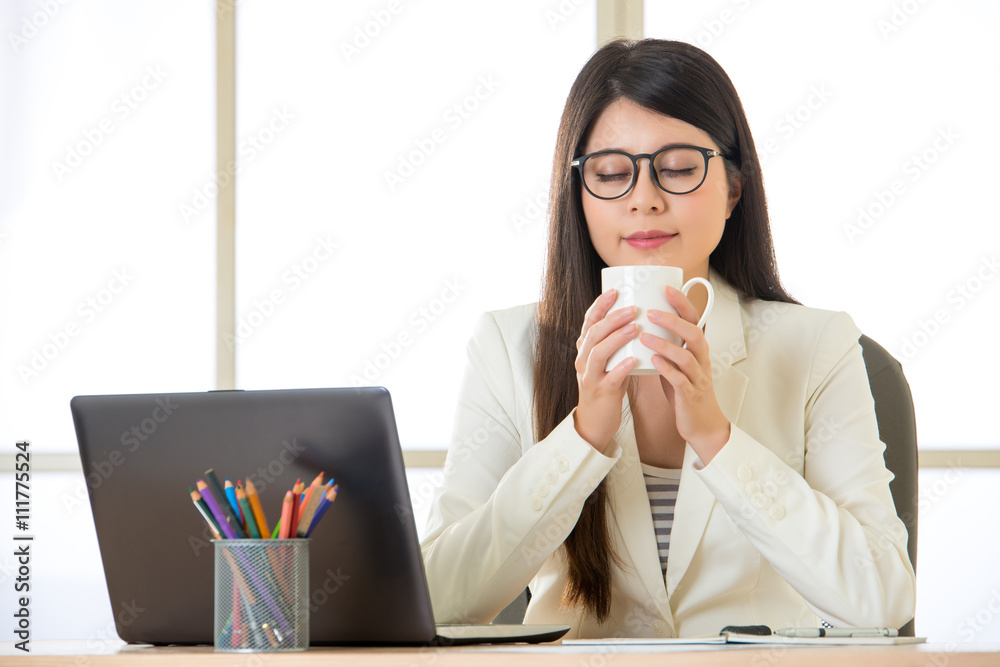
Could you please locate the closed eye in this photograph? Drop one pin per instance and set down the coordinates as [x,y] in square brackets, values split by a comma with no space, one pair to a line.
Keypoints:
[677,173]
[611,178]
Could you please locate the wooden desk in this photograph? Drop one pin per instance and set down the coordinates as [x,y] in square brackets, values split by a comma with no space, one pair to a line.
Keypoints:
[100,654]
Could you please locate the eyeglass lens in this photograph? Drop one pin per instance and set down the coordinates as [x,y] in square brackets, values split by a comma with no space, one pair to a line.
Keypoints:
[678,170]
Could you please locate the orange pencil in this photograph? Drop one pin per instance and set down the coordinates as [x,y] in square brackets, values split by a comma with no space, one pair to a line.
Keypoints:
[309,501]
[318,482]
[258,510]
[287,505]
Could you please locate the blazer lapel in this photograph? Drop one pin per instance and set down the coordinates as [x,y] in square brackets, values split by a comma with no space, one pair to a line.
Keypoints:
[630,507]
[627,492]
[724,332]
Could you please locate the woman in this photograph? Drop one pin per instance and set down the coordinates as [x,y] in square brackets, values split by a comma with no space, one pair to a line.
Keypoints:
[763,424]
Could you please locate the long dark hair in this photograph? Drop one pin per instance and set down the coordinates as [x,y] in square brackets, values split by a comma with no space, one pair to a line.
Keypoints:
[683,82]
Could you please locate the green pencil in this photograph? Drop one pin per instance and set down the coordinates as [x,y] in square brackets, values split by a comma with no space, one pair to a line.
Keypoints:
[241,498]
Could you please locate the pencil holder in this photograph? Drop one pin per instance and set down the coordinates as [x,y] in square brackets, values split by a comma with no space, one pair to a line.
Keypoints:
[261,595]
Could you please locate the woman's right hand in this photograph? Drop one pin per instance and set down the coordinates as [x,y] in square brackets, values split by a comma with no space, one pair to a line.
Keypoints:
[599,411]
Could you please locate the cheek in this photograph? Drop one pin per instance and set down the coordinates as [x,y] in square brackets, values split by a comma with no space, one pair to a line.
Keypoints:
[715,202]
[596,216]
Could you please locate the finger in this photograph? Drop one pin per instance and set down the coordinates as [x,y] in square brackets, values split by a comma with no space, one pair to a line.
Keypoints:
[604,328]
[597,360]
[693,337]
[681,358]
[599,309]
[617,375]
[670,372]
[682,305]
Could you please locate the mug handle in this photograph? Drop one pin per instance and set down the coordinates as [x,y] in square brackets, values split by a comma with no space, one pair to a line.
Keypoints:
[711,297]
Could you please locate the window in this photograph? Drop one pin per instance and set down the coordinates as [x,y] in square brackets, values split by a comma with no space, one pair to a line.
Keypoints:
[404,193]
[877,156]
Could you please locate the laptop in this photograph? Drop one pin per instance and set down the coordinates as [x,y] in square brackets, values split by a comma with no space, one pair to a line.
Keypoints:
[141,454]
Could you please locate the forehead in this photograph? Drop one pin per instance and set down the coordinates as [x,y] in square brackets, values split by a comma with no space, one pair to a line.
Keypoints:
[626,126]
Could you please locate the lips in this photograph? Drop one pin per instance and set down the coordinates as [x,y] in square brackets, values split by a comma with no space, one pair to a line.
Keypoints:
[645,240]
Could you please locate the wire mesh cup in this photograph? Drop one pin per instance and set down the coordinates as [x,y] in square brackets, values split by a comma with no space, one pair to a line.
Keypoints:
[261,595]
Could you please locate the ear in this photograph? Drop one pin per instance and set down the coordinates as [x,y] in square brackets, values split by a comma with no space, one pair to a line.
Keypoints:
[735,190]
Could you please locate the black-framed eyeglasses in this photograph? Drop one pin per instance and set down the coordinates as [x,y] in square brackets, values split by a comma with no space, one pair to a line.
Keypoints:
[675,169]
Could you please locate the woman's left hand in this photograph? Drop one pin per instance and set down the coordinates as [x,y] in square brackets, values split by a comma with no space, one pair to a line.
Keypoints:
[686,377]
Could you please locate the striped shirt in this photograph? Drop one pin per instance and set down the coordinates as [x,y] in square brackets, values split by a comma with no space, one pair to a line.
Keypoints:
[661,487]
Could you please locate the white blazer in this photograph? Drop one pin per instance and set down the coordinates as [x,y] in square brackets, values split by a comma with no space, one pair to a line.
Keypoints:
[791,523]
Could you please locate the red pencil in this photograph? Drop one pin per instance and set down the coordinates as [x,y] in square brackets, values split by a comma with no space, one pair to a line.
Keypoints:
[296,503]
[237,630]
[287,505]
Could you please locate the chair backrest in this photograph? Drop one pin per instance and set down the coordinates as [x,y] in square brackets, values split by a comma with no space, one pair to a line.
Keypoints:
[897,428]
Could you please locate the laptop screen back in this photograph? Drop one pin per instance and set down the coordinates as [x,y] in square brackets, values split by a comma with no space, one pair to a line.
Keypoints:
[141,453]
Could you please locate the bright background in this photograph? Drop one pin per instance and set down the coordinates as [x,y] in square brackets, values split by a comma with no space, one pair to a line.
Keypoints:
[107,219]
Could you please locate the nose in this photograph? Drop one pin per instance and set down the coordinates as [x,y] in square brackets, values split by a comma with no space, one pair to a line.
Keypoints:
[646,195]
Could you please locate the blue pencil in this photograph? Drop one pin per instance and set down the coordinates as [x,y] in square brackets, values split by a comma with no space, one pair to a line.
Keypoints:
[234,501]
[321,509]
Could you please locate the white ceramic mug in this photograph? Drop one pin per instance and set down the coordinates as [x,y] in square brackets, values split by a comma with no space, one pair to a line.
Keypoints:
[643,287]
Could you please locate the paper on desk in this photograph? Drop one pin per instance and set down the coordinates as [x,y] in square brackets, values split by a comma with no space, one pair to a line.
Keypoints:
[738,638]
[627,641]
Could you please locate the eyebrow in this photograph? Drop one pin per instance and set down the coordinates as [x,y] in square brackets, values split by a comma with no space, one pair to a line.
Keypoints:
[618,148]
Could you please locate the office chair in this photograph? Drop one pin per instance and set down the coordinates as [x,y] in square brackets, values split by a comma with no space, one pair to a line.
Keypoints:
[897,429]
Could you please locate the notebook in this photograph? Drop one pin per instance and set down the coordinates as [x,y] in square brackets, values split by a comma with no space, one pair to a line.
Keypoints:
[141,453]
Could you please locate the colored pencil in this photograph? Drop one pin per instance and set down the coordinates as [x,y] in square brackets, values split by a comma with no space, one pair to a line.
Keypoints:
[286,514]
[314,495]
[206,513]
[221,517]
[296,504]
[258,510]
[230,489]
[241,498]
[308,493]
[220,496]
[237,633]
[328,499]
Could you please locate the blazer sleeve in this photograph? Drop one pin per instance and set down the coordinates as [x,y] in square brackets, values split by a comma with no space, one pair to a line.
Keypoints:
[832,532]
[506,503]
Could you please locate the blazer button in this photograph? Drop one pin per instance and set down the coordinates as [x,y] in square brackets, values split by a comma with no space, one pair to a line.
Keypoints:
[552,477]
[770,488]
[776,512]
[536,504]
[753,488]
[745,472]
[760,501]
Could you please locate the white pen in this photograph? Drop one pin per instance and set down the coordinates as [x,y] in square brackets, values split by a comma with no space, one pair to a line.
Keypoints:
[837,632]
